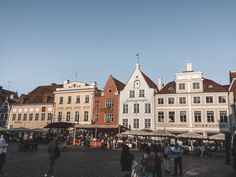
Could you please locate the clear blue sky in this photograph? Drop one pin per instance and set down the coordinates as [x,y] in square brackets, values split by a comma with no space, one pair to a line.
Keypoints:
[47,41]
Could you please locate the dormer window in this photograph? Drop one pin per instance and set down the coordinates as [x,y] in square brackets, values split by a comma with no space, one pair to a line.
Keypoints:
[170,88]
[210,86]
[196,85]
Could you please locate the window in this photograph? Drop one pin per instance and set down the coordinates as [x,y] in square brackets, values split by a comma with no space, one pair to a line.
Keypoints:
[2,115]
[19,117]
[44,109]
[171,100]
[223,117]
[69,100]
[108,118]
[183,116]
[197,116]
[76,116]
[171,116]
[141,93]
[125,123]
[125,108]
[147,123]
[61,100]
[31,117]
[182,86]
[160,116]
[78,99]
[131,94]
[86,98]
[222,99]
[196,100]
[182,100]
[5,106]
[36,116]
[160,100]
[109,103]
[136,108]
[14,117]
[209,99]
[59,116]
[96,104]
[43,116]
[196,85]
[95,118]
[25,117]
[68,116]
[147,108]
[49,116]
[136,123]
[85,116]
[210,116]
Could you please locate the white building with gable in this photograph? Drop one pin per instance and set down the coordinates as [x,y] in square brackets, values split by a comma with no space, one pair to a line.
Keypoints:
[137,101]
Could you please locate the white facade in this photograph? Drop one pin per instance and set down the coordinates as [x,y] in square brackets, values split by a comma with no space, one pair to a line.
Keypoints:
[192,103]
[136,110]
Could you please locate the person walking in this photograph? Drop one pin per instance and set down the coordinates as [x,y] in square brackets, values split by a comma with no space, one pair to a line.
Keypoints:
[3,151]
[166,155]
[148,162]
[158,160]
[126,159]
[53,154]
[178,151]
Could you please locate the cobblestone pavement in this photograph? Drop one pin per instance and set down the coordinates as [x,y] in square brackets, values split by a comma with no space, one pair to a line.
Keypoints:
[99,163]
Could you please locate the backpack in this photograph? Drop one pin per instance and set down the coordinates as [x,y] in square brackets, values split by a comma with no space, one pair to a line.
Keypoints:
[150,163]
[57,152]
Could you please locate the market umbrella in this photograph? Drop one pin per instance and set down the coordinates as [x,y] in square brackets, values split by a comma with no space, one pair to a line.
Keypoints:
[135,132]
[191,135]
[39,130]
[220,137]
[3,129]
[60,125]
[18,129]
[162,133]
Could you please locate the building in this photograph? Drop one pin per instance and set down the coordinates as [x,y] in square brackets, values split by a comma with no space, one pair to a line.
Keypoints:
[137,103]
[7,98]
[34,110]
[232,103]
[192,103]
[74,102]
[106,105]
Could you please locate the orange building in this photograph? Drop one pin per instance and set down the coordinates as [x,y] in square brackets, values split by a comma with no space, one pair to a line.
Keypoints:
[106,105]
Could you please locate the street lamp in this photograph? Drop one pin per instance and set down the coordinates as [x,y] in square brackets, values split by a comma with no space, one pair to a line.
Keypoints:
[74,133]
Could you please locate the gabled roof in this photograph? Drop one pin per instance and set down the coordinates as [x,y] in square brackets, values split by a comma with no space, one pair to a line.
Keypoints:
[42,94]
[212,86]
[119,85]
[150,83]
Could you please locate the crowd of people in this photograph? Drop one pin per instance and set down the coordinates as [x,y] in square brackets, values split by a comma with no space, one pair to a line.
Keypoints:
[151,164]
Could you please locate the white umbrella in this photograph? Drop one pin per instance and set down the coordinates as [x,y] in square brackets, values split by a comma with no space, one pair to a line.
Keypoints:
[191,135]
[220,137]
[162,133]
[135,132]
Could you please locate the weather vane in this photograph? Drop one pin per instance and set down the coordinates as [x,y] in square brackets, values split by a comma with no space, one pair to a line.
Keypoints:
[137,55]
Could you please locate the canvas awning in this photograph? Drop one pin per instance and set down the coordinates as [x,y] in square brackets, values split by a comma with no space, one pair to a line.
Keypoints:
[60,125]
[136,133]
[162,133]
[191,135]
[219,137]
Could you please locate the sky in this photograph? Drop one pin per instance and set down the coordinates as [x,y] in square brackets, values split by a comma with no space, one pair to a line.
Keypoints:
[49,41]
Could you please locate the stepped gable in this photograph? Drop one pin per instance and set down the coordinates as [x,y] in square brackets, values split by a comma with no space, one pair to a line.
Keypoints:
[150,83]
[212,86]
[119,85]
[42,94]
[169,88]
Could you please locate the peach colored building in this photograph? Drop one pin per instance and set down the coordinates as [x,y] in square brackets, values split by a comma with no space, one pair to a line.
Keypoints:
[34,110]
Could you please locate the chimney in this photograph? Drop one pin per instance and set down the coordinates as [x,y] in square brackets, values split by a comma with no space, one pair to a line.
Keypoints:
[66,82]
[189,67]
[232,75]
[160,85]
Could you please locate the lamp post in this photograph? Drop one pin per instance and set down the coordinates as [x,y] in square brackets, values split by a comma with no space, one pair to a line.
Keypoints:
[74,133]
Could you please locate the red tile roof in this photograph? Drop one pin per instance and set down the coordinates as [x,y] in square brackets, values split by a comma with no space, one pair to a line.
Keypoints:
[42,94]
[208,86]
[119,85]
[150,83]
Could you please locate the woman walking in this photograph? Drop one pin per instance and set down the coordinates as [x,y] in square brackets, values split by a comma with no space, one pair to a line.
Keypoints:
[126,159]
